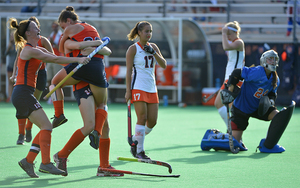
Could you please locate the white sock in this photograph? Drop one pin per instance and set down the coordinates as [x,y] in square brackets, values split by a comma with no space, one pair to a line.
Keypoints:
[53,95]
[223,114]
[140,137]
[147,130]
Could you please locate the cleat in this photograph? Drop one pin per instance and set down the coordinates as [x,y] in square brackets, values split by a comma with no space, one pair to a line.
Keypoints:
[95,139]
[21,139]
[57,121]
[50,169]
[142,155]
[105,173]
[276,149]
[28,168]
[28,135]
[61,163]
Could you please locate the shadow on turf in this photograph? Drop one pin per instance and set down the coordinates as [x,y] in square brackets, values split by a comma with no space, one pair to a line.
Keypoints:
[211,156]
[9,147]
[25,181]
[214,156]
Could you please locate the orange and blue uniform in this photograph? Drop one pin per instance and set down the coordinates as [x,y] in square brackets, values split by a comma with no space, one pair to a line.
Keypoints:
[22,96]
[94,71]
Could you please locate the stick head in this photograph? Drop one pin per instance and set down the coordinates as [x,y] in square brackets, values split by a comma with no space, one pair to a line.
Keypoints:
[235,151]
[131,142]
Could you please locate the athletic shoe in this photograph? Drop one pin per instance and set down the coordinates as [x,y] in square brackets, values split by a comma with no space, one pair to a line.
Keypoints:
[105,173]
[61,163]
[57,121]
[95,139]
[276,149]
[28,135]
[50,169]
[21,139]
[28,168]
[142,155]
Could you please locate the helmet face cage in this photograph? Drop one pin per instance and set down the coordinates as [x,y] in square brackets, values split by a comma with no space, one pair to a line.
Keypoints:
[271,55]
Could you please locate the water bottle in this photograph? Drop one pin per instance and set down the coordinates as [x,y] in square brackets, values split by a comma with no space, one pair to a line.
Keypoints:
[165,98]
[218,83]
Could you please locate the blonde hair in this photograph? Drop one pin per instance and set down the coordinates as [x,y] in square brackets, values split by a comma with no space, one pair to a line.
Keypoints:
[235,25]
[21,28]
[138,27]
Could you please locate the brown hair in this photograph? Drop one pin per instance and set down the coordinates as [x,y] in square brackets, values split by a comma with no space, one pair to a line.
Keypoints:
[234,25]
[69,12]
[138,27]
[19,35]
[33,18]
[275,78]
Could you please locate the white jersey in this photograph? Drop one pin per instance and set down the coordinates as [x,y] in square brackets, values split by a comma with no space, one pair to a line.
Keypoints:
[236,59]
[143,77]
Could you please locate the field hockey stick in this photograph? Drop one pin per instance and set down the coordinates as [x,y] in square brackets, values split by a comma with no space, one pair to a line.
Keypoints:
[137,173]
[231,145]
[129,138]
[76,68]
[205,99]
[149,161]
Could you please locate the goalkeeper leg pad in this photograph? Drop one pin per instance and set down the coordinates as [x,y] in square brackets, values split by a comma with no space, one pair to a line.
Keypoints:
[214,139]
[278,125]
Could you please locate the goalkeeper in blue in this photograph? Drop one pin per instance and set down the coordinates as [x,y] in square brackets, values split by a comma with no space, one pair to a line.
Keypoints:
[256,98]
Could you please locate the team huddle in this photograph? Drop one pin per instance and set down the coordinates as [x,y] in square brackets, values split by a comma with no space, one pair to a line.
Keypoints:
[248,92]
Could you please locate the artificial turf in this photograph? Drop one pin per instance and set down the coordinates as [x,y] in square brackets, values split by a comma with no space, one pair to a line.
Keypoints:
[176,140]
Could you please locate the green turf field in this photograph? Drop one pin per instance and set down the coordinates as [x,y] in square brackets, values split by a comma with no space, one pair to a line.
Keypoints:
[175,140]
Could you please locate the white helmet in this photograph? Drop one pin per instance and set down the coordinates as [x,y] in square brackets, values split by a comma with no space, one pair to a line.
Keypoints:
[273,60]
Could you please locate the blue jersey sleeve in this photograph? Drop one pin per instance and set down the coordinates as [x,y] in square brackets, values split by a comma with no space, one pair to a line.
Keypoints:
[252,74]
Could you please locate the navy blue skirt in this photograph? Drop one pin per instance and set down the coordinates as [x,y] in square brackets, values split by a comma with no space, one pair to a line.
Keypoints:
[93,72]
[24,101]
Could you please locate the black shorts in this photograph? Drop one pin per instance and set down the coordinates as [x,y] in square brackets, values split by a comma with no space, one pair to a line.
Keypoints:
[93,72]
[24,101]
[41,80]
[84,92]
[241,119]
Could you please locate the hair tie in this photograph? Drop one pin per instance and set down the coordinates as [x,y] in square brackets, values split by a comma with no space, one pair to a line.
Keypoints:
[26,27]
[138,27]
[232,29]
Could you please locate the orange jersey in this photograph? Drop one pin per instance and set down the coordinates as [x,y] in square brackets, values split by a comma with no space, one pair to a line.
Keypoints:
[40,44]
[87,34]
[27,71]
